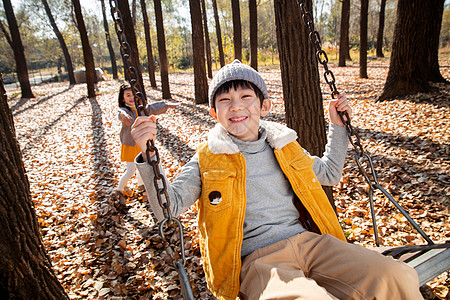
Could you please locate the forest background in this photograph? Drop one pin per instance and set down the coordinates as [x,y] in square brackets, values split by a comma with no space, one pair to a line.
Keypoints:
[45,58]
[92,263]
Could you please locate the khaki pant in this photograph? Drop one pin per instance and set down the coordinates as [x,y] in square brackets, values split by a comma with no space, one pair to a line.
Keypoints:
[312,266]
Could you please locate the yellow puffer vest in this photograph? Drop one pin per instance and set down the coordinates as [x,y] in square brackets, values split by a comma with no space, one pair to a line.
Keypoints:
[222,210]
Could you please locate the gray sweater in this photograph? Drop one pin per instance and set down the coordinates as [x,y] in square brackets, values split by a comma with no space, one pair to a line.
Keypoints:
[270,215]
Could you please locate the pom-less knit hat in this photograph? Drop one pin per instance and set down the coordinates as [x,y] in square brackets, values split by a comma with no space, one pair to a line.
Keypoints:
[236,71]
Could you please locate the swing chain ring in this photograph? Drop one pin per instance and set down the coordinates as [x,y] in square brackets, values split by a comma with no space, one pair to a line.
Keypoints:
[159,181]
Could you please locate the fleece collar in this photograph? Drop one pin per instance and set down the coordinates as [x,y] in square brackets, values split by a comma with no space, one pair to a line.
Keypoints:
[278,136]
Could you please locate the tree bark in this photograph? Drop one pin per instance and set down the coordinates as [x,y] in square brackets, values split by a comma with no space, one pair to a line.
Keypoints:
[253,14]
[381,29]
[8,38]
[130,35]
[237,31]
[363,39]
[433,28]
[112,55]
[61,41]
[163,62]
[207,42]
[133,13]
[25,269]
[87,50]
[301,89]
[148,43]
[19,55]
[414,49]
[343,41]
[200,81]
[218,34]
[300,79]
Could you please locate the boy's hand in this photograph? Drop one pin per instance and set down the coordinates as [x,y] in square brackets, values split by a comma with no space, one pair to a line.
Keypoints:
[339,104]
[143,130]
[126,119]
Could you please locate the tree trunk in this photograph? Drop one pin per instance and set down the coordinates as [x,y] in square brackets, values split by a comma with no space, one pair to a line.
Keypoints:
[343,41]
[25,269]
[87,50]
[6,34]
[237,31]
[133,14]
[125,73]
[62,43]
[218,34]
[200,81]
[300,78]
[381,29]
[112,55]
[19,55]
[253,14]
[363,39]
[410,66]
[163,63]
[433,28]
[207,42]
[148,43]
[130,35]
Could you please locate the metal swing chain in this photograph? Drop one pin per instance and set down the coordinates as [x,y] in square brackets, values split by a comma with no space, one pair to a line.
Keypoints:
[178,258]
[352,134]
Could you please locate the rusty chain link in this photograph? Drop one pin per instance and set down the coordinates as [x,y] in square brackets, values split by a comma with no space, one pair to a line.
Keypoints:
[355,140]
[178,257]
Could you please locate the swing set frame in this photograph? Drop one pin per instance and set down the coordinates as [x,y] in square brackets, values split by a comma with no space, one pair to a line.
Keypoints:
[429,260]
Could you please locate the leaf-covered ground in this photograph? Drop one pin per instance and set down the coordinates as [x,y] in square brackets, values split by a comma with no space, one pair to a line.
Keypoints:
[102,249]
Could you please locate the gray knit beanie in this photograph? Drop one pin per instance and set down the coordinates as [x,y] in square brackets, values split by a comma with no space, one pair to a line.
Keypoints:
[236,71]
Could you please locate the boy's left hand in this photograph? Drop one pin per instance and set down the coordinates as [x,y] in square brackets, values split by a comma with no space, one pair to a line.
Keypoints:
[339,104]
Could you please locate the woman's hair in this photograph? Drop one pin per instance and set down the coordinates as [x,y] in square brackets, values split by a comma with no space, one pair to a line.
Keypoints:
[123,88]
[235,84]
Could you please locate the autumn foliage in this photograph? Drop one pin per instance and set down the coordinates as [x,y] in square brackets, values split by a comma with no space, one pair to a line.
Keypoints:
[102,248]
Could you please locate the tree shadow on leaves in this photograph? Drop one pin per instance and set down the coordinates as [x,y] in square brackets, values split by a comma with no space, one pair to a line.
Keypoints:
[117,231]
[108,242]
[415,169]
[42,131]
[23,101]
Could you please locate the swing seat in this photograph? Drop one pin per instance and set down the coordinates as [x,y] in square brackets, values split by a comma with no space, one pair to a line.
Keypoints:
[429,261]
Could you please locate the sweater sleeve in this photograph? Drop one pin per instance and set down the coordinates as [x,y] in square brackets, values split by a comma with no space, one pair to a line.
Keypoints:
[156,108]
[183,191]
[120,111]
[328,168]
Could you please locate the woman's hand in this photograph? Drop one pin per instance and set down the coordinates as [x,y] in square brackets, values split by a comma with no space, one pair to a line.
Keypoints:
[143,130]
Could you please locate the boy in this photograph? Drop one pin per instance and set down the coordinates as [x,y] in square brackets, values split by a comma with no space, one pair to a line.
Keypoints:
[259,195]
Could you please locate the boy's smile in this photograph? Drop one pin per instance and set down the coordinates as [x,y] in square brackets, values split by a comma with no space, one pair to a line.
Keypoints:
[238,111]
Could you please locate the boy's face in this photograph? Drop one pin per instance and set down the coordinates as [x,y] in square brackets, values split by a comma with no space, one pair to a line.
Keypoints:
[128,97]
[239,111]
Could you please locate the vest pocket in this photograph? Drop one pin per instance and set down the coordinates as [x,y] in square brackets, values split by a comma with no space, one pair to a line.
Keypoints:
[217,189]
[303,167]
